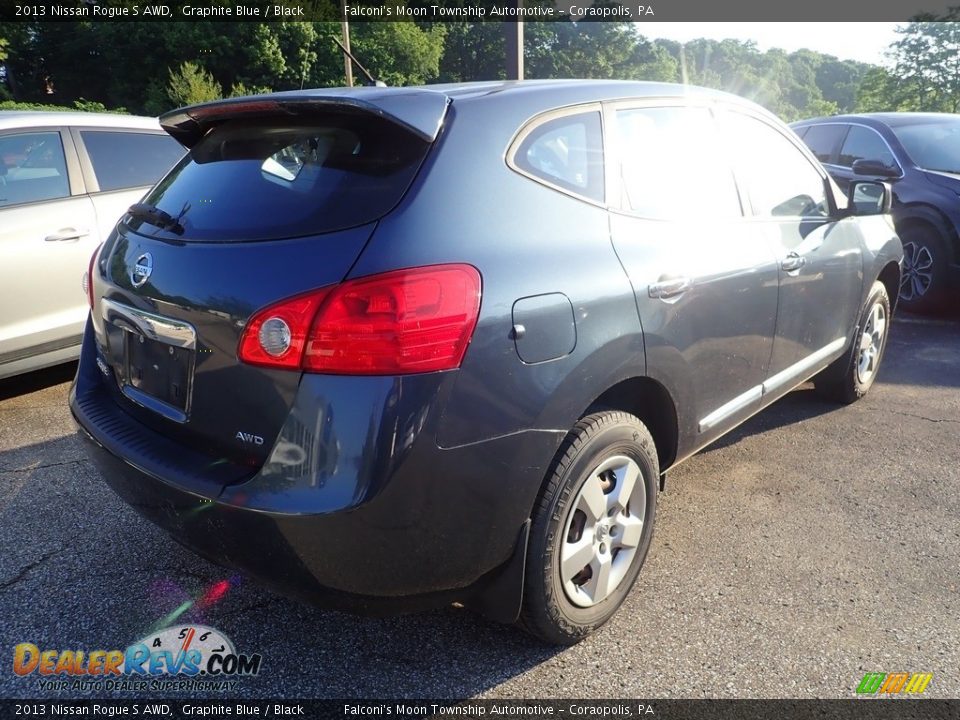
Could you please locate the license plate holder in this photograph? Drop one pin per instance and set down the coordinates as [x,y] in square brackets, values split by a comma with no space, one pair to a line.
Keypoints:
[156,359]
[157,369]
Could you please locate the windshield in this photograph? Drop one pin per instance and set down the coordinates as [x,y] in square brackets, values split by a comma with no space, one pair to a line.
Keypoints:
[932,145]
[283,179]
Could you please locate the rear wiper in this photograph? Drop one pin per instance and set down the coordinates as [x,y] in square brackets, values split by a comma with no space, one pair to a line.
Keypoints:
[157,217]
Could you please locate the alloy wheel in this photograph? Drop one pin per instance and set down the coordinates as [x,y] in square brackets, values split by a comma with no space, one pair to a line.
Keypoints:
[917,271]
[871,343]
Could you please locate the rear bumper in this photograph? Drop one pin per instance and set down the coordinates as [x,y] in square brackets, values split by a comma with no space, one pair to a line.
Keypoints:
[376,521]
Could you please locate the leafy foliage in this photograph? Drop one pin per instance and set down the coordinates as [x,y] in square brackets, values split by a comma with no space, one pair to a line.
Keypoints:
[926,60]
[191,84]
[80,105]
[154,66]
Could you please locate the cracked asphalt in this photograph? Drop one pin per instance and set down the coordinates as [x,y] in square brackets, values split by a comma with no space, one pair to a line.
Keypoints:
[813,544]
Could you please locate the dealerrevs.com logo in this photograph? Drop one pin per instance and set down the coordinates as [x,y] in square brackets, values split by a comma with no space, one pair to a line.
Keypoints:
[182,657]
[878,683]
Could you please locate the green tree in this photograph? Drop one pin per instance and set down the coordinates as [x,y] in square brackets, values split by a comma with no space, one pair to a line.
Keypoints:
[613,50]
[878,93]
[840,80]
[398,53]
[473,51]
[926,62]
[5,93]
[796,85]
[190,84]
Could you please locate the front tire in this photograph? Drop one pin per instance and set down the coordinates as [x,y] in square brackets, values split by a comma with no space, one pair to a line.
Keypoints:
[852,376]
[592,527]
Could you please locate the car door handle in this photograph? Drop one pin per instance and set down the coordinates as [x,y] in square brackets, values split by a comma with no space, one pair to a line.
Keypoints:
[66,234]
[793,262]
[669,288]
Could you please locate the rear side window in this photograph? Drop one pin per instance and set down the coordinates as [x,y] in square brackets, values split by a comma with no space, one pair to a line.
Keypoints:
[566,152]
[673,166]
[269,180]
[32,168]
[127,159]
[864,144]
[823,140]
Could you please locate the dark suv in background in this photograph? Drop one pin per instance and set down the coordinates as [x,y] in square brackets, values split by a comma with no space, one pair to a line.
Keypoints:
[919,155]
[393,348]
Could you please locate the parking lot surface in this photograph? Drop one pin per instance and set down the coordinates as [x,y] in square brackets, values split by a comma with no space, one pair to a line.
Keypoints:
[813,544]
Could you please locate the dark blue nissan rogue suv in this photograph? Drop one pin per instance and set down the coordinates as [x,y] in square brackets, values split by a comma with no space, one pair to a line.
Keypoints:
[393,348]
[918,154]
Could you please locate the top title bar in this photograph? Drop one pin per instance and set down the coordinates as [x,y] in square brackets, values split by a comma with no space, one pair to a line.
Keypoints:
[480,11]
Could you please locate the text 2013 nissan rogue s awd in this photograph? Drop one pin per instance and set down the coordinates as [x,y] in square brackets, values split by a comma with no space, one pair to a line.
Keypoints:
[392,348]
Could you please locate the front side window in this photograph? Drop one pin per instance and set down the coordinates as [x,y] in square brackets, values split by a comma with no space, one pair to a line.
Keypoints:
[32,168]
[127,159]
[672,165]
[823,140]
[566,152]
[780,180]
[864,144]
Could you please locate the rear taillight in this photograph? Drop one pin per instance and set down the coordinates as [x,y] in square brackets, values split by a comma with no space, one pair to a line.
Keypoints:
[87,281]
[296,313]
[407,321]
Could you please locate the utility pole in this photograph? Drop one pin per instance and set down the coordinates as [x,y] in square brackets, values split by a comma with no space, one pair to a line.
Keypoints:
[514,45]
[345,27]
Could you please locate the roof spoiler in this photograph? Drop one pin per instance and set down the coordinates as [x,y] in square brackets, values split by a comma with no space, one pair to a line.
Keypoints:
[419,111]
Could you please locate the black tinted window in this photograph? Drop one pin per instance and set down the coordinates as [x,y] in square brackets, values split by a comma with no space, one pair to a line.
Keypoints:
[127,159]
[780,180]
[864,144]
[566,152]
[933,145]
[32,168]
[823,140]
[672,165]
[262,180]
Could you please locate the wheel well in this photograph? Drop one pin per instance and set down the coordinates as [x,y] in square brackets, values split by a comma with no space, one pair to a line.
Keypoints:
[941,227]
[890,277]
[651,403]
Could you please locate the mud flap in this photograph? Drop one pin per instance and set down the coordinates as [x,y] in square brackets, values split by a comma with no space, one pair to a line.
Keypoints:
[502,598]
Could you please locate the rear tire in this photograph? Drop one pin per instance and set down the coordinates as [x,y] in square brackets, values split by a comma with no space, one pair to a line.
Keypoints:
[853,374]
[925,279]
[592,527]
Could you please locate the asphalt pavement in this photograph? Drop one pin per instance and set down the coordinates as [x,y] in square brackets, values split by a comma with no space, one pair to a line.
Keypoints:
[813,544]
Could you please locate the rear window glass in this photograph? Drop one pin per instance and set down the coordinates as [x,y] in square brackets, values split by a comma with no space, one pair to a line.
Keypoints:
[264,181]
[129,160]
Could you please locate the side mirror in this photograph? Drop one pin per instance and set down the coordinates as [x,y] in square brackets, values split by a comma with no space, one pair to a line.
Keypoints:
[868,197]
[876,168]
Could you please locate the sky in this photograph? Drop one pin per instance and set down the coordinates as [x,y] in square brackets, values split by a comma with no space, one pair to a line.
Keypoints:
[863,41]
